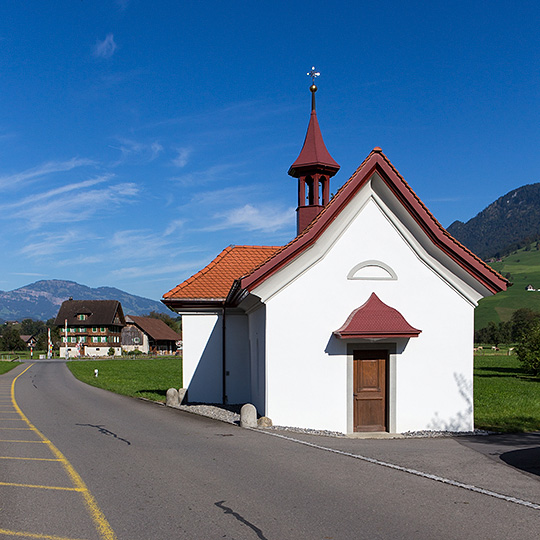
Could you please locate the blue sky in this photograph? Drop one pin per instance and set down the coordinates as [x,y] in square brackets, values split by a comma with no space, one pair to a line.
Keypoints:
[138,139]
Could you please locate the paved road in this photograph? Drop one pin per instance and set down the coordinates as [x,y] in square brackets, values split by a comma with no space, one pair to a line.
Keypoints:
[156,473]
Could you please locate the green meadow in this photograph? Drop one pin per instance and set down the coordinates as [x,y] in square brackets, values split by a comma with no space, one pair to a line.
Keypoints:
[524,269]
[148,378]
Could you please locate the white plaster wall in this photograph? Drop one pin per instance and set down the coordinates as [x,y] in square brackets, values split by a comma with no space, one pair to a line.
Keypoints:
[257,355]
[237,358]
[202,357]
[307,366]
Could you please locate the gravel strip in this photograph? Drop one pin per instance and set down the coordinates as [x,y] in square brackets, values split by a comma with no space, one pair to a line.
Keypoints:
[231,415]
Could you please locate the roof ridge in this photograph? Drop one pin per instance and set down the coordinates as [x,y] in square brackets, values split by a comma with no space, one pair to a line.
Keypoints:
[436,221]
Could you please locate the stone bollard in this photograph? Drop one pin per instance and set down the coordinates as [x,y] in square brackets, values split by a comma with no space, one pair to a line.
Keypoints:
[264,421]
[182,392]
[248,416]
[172,398]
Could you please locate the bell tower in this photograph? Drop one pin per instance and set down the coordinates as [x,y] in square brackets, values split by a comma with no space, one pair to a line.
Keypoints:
[313,167]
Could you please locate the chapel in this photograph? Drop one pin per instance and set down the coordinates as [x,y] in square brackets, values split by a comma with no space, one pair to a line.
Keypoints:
[362,322]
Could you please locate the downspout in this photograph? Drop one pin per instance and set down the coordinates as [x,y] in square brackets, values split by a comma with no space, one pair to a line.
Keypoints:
[224,355]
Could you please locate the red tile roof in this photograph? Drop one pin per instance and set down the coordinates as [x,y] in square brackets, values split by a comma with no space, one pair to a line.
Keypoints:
[214,281]
[374,319]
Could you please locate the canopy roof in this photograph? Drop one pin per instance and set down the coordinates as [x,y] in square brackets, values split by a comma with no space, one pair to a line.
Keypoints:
[375,319]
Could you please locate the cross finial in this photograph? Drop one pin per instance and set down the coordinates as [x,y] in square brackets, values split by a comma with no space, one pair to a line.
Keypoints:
[313,74]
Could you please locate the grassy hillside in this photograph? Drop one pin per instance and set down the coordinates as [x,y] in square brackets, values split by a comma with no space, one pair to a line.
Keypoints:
[524,269]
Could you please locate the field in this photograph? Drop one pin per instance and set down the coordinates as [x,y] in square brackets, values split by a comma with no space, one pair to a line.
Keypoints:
[147,377]
[7,366]
[505,397]
[524,269]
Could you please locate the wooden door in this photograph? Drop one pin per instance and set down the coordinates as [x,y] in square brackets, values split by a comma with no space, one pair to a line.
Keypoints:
[370,390]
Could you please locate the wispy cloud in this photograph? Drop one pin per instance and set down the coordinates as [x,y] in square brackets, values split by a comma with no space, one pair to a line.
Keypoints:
[209,175]
[174,226]
[122,4]
[131,149]
[105,48]
[49,244]
[159,269]
[53,193]
[262,218]
[182,156]
[71,203]
[41,170]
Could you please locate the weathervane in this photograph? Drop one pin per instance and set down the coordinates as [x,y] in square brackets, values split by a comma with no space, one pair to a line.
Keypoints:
[313,87]
[313,74]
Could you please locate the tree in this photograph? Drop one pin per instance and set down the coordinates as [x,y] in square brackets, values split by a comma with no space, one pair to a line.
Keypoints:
[528,351]
[11,340]
[522,320]
[29,327]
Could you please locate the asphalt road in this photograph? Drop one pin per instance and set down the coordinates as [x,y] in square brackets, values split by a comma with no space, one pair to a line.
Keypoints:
[156,473]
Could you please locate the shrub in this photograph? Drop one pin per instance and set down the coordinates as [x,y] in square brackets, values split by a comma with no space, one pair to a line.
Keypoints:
[111,351]
[528,351]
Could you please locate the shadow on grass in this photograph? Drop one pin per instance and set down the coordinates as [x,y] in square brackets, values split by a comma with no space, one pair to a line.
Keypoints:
[513,424]
[159,392]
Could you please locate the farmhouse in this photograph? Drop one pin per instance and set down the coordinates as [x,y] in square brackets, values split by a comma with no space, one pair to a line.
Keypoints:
[90,327]
[362,322]
[149,335]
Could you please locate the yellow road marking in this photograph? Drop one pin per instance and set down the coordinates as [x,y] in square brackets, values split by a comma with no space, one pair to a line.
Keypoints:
[58,488]
[100,522]
[34,535]
[30,458]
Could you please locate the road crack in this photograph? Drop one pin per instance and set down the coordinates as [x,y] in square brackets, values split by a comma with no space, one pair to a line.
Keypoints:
[241,519]
[105,431]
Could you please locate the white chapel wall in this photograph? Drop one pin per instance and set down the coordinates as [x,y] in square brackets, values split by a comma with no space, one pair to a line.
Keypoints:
[202,357]
[237,358]
[307,366]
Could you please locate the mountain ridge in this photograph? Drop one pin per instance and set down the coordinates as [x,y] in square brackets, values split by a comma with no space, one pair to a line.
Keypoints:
[507,224]
[42,299]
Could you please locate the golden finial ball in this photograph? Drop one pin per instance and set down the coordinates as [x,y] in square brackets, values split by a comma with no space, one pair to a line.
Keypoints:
[313,88]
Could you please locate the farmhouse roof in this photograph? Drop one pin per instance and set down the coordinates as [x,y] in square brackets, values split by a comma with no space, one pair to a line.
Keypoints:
[98,312]
[375,319]
[155,328]
[214,281]
[377,162]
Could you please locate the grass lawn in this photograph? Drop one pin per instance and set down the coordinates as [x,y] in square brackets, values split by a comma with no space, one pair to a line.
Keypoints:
[147,377]
[7,366]
[505,397]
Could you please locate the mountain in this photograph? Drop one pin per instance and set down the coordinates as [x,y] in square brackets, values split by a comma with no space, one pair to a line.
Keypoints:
[511,222]
[42,299]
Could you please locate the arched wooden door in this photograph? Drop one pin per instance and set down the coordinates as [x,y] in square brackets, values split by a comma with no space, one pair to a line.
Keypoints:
[369,390]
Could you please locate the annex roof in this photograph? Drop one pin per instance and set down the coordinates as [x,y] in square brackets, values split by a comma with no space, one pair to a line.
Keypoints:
[377,162]
[375,319]
[214,281]
[98,312]
[155,328]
